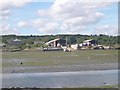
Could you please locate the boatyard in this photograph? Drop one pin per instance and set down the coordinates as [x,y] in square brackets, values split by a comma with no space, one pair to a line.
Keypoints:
[59,44]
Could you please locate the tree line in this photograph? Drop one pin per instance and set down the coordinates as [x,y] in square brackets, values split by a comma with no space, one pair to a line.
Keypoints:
[29,41]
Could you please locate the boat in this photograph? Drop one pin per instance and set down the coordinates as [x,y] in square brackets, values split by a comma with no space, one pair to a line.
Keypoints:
[52,49]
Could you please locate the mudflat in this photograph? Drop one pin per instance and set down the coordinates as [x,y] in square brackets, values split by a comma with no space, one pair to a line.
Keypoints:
[59,61]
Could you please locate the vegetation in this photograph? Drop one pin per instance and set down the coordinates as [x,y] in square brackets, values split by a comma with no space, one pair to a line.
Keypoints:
[34,41]
[56,58]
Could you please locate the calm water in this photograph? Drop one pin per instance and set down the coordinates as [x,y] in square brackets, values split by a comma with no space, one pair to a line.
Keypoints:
[61,79]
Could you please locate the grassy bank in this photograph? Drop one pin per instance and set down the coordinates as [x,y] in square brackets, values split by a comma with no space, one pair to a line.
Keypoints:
[60,58]
[84,59]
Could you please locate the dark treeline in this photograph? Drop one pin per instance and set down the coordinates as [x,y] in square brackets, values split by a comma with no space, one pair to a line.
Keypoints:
[72,39]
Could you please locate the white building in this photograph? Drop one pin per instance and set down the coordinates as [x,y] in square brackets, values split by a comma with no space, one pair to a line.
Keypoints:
[75,46]
[15,42]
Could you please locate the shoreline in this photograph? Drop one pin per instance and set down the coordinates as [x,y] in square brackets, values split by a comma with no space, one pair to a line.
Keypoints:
[67,68]
[66,73]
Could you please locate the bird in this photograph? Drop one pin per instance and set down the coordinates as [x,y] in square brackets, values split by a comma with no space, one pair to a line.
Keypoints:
[105,83]
[21,63]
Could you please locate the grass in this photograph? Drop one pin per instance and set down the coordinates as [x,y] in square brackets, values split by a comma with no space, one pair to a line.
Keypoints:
[60,58]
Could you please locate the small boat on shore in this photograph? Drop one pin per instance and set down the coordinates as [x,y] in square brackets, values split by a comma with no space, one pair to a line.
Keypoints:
[52,49]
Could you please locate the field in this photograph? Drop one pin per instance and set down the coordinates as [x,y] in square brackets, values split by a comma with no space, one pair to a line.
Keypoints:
[48,61]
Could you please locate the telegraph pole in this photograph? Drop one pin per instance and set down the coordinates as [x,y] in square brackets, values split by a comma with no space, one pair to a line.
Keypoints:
[66,41]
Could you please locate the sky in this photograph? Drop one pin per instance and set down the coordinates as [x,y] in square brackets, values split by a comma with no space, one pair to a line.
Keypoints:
[51,17]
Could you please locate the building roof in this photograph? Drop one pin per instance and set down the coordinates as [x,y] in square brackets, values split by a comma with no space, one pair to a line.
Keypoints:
[52,41]
[88,40]
[17,40]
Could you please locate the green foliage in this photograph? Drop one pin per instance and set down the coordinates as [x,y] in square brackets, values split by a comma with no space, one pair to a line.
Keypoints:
[29,41]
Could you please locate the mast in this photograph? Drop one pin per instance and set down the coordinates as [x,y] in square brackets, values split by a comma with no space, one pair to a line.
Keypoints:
[66,41]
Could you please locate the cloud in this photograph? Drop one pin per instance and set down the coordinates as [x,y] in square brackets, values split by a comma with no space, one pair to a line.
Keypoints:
[37,23]
[22,24]
[49,28]
[107,29]
[71,25]
[75,16]
[42,25]
[66,9]
[84,20]
[64,16]
[5,14]
[6,5]
[42,12]
[6,29]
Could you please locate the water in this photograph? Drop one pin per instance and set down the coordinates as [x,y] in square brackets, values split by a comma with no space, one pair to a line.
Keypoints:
[61,79]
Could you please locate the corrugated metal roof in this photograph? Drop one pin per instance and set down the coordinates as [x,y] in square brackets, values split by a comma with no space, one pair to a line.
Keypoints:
[52,41]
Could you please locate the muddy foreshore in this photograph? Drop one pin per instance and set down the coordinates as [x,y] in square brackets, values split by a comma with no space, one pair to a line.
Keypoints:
[67,68]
